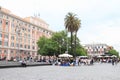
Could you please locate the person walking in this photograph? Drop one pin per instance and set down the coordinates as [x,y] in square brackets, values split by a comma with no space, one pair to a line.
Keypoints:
[113,61]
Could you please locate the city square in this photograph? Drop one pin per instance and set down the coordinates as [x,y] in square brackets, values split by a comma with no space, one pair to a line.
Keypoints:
[59,40]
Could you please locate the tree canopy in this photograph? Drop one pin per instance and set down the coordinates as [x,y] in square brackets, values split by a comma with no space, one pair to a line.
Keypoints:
[113,52]
[58,44]
[72,24]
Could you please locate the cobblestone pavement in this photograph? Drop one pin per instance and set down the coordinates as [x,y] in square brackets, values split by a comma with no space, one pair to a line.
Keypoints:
[97,71]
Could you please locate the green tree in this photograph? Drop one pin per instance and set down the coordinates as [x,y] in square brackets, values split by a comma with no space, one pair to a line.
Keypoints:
[72,24]
[41,44]
[60,39]
[57,44]
[113,52]
[81,52]
[46,46]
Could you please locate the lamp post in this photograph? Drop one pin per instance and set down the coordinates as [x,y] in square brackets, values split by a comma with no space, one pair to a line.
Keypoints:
[18,30]
[73,44]
[75,47]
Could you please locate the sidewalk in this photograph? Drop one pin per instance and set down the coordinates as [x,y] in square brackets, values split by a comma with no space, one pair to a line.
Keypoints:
[10,64]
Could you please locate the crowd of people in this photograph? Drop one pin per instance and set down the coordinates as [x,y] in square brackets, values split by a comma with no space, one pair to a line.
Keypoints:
[77,61]
[70,61]
[73,62]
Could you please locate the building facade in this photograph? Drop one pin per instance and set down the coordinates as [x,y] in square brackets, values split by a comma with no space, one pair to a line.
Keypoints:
[96,49]
[18,36]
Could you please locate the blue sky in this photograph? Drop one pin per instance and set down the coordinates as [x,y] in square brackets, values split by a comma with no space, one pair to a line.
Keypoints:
[100,19]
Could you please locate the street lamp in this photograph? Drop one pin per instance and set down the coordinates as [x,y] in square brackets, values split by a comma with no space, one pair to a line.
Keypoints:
[18,30]
[73,44]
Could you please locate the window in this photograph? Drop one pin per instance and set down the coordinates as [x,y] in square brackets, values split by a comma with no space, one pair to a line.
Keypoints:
[6,36]
[12,37]
[19,24]
[102,47]
[28,35]
[7,23]
[28,46]
[12,24]
[25,24]
[29,26]
[47,32]
[21,45]
[33,42]
[17,39]
[0,42]
[11,51]
[43,30]
[5,43]
[28,41]
[12,44]
[7,17]
[13,20]
[33,47]
[17,45]
[33,27]
[25,46]
[0,22]
[17,21]
[5,51]
[0,51]
[38,29]
[25,29]
[28,30]
[0,35]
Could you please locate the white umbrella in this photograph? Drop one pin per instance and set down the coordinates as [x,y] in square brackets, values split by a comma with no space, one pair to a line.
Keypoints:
[113,56]
[107,56]
[65,55]
[99,56]
[83,56]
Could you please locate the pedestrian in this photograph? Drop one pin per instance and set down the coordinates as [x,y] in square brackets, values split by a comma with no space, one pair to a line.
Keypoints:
[113,61]
[23,63]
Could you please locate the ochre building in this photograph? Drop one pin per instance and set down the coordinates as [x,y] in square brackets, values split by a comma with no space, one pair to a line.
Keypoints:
[18,36]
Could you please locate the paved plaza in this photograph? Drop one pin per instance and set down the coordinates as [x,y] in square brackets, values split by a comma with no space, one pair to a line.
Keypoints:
[98,71]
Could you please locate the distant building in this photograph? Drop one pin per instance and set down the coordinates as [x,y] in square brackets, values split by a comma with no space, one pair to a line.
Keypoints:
[96,49]
[18,36]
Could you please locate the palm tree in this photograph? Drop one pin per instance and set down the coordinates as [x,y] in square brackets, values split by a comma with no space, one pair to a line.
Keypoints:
[72,24]
[78,25]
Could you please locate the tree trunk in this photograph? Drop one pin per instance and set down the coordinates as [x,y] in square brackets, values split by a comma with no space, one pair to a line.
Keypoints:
[75,43]
[71,42]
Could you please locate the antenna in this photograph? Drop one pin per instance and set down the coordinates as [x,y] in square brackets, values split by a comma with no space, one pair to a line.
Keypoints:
[39,15]
[34,14]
